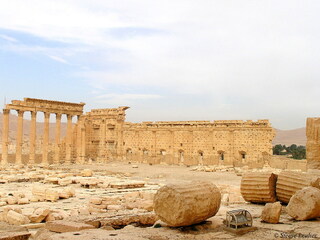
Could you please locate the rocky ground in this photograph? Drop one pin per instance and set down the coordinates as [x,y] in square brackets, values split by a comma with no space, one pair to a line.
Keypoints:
[115,201]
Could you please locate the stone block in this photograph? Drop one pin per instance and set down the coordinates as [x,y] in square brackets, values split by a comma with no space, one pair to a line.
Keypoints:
[62,226]
[17,218]
[22,201]
[305,204]
[187,204]
[271,212]
[15,236]
[39,215]
[51,195]
[87,173]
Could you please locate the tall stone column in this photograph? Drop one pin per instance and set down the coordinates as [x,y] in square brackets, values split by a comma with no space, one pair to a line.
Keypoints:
[5,136]
[79,126]
[32,155]
[102,141]
[19,141]
[69,139]
[45,145]
[56,159]
[83,142]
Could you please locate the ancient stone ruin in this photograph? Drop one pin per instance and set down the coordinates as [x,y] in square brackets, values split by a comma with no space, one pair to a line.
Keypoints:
[103,135]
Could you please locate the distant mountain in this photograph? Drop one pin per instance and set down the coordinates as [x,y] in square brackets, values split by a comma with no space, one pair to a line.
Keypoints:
[288,137]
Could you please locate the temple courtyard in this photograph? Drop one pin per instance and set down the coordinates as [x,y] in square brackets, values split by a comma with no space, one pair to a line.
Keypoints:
[115,201]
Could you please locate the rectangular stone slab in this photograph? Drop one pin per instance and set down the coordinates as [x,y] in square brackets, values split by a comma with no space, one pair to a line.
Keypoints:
[15,236]
[62,226]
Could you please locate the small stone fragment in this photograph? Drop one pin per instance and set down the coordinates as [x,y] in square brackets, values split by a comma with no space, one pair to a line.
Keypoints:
[271,212]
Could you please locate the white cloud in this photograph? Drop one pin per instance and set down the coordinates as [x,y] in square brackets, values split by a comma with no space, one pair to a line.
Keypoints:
[124,99]
[8,38]
[247,55]
[58,59]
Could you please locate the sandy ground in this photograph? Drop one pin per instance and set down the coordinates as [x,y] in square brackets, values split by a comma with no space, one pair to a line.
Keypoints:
[163,174]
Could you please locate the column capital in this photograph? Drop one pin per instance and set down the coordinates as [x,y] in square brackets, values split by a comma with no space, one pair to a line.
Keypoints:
[69,116]
[20,112]
[33,113]
[58,115]
[46,114]
[6,111]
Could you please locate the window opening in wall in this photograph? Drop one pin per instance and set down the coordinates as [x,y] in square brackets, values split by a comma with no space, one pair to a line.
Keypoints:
[243,155]
[221,155]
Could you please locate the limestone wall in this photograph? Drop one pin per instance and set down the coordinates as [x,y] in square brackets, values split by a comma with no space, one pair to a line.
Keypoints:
[109,137]
[282,162]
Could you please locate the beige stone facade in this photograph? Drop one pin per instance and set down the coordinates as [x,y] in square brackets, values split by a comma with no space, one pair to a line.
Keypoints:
[103,135]
[109,137]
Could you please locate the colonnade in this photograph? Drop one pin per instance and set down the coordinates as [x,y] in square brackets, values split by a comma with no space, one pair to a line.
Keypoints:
[45,145]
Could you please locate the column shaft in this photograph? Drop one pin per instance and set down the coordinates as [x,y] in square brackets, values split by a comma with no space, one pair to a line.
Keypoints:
[83,142]
[19,140]
[45,144]
[57,139]
[102,142]
[69,139]
[32,156]
[79,152]
[5,136]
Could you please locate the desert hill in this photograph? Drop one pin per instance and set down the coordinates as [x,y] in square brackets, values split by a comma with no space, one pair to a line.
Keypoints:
[288,137]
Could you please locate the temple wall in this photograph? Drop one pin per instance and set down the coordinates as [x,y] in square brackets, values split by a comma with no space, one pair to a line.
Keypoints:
[109,137]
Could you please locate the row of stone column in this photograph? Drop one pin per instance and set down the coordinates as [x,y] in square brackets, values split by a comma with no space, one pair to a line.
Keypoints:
[45,145]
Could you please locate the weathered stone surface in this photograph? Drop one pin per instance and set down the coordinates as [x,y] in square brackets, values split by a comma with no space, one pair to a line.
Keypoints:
[12,200]
[22,201]
[305,204]
[62,226]
[313,143]
[259,187]
[141,219]
[289,182]
[51,195]
[87,173]
[271,212]
[187,204]
[39,215]
[15,236]
[96,200]
[17,218]
[127,184]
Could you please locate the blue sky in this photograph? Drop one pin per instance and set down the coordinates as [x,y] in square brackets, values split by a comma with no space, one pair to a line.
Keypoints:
[167,60]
